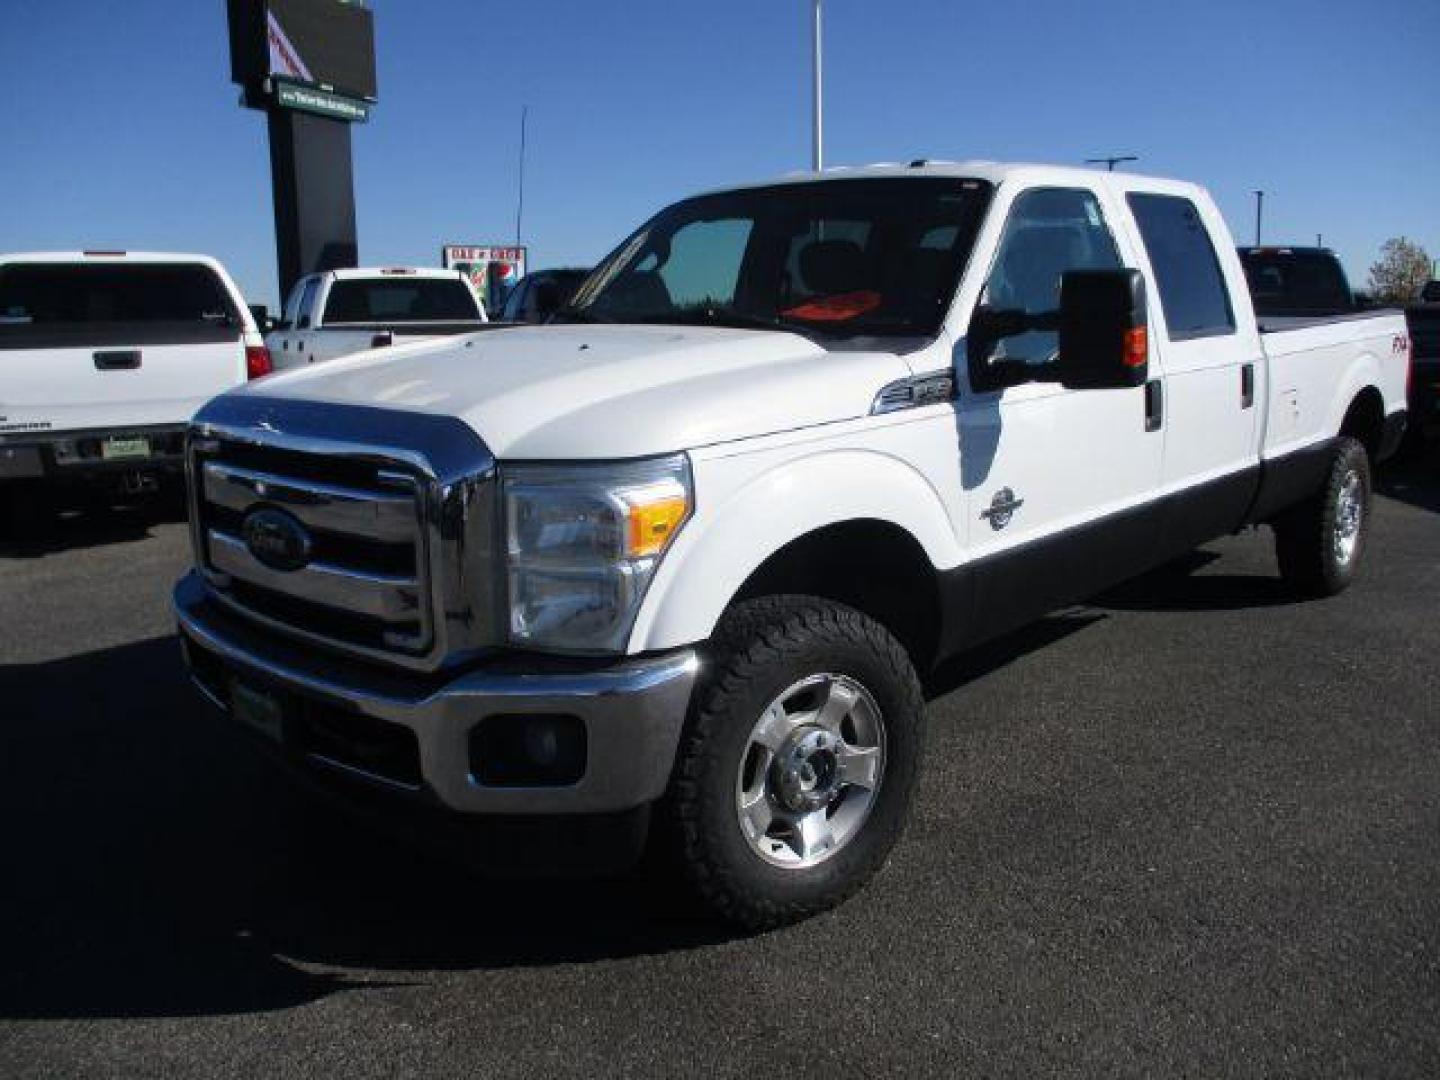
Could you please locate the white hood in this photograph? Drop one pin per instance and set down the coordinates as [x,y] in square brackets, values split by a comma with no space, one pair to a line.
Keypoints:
[573,392]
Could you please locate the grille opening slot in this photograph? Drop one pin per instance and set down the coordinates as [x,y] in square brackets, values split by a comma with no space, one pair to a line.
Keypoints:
[377,747]
[345,627]
[324,469]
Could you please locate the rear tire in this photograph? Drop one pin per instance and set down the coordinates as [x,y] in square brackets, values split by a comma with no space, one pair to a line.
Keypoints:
[1320,543]
[799,760]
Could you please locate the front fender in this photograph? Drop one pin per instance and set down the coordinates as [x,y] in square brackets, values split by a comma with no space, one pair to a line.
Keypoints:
[756,513]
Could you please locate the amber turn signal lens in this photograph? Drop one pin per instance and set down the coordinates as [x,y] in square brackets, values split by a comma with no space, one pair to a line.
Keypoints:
[653,524]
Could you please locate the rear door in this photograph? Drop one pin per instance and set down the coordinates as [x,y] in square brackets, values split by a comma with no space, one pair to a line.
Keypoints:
[88,345]
[1214,366]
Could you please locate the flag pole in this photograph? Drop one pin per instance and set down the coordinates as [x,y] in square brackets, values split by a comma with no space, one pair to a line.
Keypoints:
[817,156]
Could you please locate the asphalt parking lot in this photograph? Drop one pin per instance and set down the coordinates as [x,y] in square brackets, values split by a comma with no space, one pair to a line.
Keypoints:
[1193,829]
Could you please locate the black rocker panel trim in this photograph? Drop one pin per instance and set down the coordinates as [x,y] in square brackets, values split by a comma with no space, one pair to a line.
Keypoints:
[983,600]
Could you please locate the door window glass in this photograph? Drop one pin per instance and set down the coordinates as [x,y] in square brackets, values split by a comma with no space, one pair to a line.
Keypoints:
[1187,270]
[1050,231]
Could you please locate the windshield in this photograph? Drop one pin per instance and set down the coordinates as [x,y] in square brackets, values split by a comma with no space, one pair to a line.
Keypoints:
[851,257]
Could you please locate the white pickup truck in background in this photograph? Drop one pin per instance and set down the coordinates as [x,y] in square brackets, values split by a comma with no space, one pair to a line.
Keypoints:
[340,312]
[683,556]
[104,357]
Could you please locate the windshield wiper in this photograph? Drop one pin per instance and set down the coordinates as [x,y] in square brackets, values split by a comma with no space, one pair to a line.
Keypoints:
[578,315]
[720,316]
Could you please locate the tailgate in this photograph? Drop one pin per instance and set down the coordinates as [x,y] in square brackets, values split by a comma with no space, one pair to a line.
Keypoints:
[86,346]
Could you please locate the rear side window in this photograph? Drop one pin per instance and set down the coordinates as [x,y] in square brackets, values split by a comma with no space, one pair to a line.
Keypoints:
[57,294]
[1192,288]
[400,300]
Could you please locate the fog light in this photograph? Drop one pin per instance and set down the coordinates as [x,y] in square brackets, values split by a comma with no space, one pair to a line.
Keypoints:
[528,751]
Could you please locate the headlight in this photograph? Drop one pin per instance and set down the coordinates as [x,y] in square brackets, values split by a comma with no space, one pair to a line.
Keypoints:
[583,542]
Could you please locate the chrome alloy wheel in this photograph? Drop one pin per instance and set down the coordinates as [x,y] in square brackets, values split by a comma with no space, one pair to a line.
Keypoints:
[811,771]
[1349,516]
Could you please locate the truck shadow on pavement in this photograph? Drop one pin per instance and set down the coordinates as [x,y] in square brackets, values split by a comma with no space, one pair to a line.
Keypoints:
[95,525]
[157,866]
[1413,478]
[1179,586]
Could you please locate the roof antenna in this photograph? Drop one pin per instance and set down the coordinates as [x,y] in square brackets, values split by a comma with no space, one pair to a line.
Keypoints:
[520,206]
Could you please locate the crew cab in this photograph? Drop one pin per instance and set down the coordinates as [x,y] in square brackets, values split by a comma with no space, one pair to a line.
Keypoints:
[681,557]
[339,312]
[104,358]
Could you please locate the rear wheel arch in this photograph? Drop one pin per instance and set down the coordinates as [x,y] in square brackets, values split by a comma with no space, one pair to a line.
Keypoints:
[1365,420]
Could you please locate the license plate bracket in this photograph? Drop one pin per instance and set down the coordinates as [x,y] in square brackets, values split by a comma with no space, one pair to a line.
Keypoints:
[260,711]
[120,448]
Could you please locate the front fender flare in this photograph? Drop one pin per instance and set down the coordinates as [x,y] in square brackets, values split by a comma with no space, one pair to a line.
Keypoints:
[726,543]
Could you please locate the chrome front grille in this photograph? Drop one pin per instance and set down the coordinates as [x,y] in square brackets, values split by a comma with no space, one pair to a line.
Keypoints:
[397,537]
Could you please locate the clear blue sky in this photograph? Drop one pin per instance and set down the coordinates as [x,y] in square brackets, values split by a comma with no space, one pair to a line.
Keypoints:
[120,127]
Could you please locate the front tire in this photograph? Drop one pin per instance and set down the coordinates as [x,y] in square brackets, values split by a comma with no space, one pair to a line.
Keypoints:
[1321,542]
[799,761]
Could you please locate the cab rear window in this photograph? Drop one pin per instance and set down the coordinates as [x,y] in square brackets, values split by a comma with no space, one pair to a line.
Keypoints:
[400,300]
[43,294]
[58,304]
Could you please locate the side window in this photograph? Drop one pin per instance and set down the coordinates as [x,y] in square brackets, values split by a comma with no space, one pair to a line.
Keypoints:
[291,315]
[1187,270]
[514,303]
[1050,231]
[307,304]
[703,264]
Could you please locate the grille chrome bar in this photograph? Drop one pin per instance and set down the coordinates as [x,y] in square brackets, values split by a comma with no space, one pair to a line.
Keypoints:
[381,596]
[380,516]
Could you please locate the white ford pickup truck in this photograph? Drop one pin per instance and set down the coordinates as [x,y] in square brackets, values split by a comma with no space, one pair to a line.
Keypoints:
[341,312]
[104,358]
[682,558]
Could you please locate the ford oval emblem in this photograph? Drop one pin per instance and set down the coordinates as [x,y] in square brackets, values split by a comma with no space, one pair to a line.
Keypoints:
[276,539]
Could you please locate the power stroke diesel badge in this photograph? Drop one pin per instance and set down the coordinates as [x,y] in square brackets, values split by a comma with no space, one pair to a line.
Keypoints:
[1002,509]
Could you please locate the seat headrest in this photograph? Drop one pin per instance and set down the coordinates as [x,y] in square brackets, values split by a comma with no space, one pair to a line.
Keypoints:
[833,267]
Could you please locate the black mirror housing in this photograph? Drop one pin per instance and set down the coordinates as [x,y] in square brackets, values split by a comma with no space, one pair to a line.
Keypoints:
[1104,330]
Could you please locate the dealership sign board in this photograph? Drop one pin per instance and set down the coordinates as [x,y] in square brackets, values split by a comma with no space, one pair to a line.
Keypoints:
[317,56]
[493,270]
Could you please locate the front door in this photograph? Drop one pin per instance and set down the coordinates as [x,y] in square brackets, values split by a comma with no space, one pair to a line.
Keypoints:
[1059,484]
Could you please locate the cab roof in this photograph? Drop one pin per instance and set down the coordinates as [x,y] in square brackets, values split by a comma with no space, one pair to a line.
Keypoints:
[995,172]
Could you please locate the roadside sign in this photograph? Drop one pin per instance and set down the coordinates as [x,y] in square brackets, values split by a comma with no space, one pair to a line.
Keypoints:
[493,270]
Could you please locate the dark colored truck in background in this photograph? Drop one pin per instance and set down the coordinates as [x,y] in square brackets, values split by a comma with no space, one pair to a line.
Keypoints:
[1424,321]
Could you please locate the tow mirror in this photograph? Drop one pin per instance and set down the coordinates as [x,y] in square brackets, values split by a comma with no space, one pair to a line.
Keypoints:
[1104,330]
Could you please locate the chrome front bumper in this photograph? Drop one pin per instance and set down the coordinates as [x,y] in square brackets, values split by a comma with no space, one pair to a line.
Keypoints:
[632,712]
